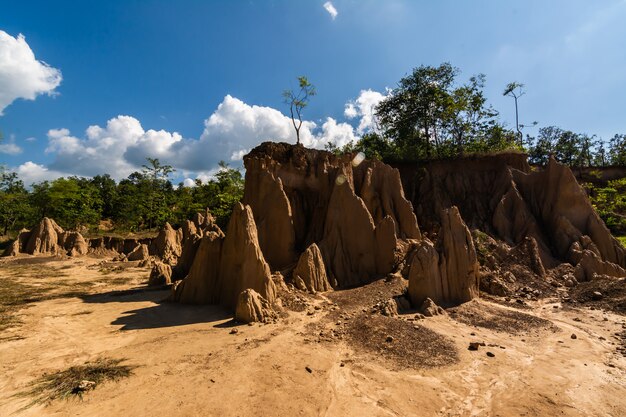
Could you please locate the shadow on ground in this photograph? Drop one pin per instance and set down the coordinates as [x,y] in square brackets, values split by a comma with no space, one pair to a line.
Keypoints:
[170,315]
[161,313]
[132,295]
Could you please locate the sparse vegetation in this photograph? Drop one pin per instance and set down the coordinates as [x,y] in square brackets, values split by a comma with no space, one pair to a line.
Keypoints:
[76,380]
[15,295]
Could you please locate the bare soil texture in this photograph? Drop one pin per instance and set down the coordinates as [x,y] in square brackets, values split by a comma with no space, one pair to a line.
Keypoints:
[335,356]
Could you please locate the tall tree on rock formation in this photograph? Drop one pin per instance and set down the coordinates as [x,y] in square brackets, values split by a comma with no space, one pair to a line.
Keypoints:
[298,101]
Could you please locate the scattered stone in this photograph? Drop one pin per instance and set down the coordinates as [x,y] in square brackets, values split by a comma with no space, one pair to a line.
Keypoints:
[573,336]
[596,296]
[308,369]
[490,354]
[475,345]
[389,339]
[86,385]
[234,331]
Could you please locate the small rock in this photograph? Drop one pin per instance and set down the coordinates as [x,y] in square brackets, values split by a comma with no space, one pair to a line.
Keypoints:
[234,331]
[86,385]
[573,336]
[389,339]
[308,369]
[475,345]
[596,296]
[491,355]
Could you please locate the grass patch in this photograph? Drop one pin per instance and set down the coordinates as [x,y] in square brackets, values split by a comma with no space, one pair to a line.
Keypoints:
[16,295]
[13,297]
[622,240]
[75,381]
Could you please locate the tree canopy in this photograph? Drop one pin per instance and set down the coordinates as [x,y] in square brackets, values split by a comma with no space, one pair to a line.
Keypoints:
[143,201]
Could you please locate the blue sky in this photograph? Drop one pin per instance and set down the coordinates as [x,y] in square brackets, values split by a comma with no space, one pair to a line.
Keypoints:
[200,81]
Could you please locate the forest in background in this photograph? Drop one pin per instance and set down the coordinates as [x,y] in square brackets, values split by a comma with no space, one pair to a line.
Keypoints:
[430,115]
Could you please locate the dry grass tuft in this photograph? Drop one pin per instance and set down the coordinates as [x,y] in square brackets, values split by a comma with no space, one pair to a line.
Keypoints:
[75,381]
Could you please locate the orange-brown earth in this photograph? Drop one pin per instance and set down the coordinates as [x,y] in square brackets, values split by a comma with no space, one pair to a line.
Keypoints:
[330,354]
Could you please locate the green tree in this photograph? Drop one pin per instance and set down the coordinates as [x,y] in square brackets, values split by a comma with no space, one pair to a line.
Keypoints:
[15,210]
[220,193]
[159,189]
[414,111]
[72,202]
[297,101]
[617,150]
[107,190]
[430,115]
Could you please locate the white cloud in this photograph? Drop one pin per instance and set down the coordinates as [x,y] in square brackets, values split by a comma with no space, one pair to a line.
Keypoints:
[331,10]
[10,148]
[118,149]
[238,156]
[30,172]
[189,183]
[235,127]
[21,74]
[364,107]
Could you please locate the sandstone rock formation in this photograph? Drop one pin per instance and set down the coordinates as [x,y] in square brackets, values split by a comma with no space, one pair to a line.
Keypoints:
[160,274]
[501,195]
[140,253]
[252,307]
[74,243]
[19,245]
[48,238]
[449,273]
[354,211]
[225,266]
[167,244]
[310,272]
[430,309]
[45,238]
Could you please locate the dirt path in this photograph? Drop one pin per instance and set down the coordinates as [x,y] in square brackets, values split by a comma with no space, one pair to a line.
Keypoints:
[189,363]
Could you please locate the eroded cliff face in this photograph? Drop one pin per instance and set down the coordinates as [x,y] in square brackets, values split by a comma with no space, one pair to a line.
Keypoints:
[501,196]
[353,210]
[448,272]
[225,266]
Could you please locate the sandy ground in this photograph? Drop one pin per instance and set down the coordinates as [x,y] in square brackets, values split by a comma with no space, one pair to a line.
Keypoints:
[189,363]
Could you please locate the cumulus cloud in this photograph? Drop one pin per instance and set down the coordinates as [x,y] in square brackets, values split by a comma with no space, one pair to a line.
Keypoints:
[10,148]
[122,145]
[236,127]
[30,172]
[331,10]
[112,149]
[364,107]
[21,74]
